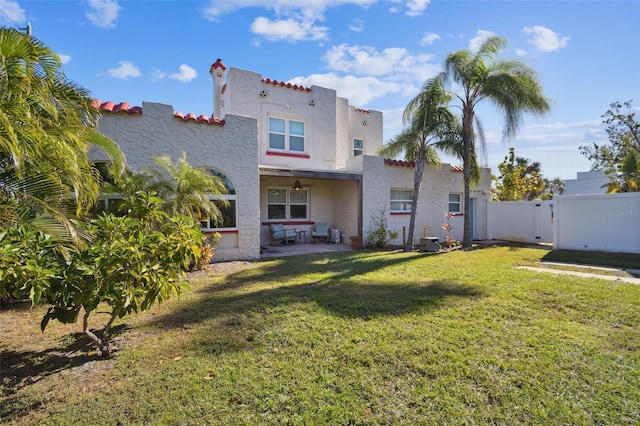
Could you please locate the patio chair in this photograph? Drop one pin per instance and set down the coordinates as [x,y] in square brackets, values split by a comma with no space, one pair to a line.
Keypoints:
[280,233]
[320,230]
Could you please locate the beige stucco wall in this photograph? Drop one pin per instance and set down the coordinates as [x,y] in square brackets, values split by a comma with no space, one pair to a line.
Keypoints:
[231,148]
[438,182]
[330,122]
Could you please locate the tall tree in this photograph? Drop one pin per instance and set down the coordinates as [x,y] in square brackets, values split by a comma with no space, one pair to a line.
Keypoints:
[46,129]
[430,126]
[623,132]
[628,179]
[552,187]
[510,85]
[519,180]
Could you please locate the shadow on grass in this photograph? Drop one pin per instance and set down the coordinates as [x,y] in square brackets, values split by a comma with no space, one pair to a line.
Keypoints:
[331,282]
[19,369]
[592,258]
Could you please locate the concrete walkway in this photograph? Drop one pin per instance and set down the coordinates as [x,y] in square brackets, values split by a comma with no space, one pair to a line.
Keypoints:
[630,280]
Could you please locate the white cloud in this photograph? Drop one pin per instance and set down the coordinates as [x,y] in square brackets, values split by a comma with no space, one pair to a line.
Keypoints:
[413,7]
[395,62]
[12,11]
[288,29]
[125,70]
[429,38]
[185,74]
[357,25]
[359,90]
[103,13]
[545,39]
[65,59]
[294,20]
[416,7]
[481,36]
[521,52]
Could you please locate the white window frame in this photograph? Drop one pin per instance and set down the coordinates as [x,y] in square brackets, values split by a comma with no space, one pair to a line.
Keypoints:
[207,225]
[453,203]
[287,135]
[405,203]
[288,204]
[358,151]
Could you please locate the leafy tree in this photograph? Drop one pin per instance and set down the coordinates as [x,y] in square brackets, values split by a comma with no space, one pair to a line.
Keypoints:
[430,125]
[184,189]
[552,187]
[508,84]
[131,263]
[43,159]
[628,179]
[518,180]
[623,132]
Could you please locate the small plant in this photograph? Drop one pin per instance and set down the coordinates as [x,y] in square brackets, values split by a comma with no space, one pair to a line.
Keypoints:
[380,236]
[449,241]
[356,241]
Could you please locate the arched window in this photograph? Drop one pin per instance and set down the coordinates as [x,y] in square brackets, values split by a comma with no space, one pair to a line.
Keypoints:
[228,210]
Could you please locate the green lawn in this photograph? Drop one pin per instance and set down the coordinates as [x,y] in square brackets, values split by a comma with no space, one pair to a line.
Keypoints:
[348,338]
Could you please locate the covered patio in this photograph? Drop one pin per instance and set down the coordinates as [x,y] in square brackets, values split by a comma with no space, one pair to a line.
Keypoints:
[272,251]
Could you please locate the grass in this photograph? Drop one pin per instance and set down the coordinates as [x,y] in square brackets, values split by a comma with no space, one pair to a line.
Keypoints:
[347,338]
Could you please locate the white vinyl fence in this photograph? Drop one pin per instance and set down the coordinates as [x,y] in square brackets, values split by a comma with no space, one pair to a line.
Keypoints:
[598,222]
[522,221]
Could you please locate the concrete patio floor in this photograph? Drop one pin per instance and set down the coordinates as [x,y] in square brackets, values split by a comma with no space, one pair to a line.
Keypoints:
[276,250]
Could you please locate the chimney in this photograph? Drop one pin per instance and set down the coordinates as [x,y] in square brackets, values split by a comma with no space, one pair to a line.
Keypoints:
[217,71]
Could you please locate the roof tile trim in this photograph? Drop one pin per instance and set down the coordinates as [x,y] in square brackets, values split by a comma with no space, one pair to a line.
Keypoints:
[287,85]
[112,107]
[403,163]
[217,64]
[364,111]
[200,118]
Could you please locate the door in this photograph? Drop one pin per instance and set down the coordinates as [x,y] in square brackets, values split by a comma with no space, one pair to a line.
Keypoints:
[472,218]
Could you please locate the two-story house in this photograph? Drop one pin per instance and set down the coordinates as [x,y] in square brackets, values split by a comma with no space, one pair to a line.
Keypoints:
[293,155]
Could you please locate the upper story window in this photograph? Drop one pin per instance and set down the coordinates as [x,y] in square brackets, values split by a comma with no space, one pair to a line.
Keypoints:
[358,147]
[286,135]
[287,204]
[455,203]
[401,200]
[228,220]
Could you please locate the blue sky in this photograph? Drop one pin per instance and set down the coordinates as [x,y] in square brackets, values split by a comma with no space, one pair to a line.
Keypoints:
[375,53]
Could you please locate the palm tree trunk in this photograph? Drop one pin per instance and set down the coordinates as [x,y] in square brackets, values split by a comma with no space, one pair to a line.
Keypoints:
[467,131]
[417,182]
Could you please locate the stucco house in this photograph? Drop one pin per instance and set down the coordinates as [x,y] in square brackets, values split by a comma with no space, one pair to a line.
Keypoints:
[296,156]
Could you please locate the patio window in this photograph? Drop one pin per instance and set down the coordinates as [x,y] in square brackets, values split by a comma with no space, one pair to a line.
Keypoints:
[455,203]
[286,135]
[287,204]
[358,147]
[228,219]
[401,200]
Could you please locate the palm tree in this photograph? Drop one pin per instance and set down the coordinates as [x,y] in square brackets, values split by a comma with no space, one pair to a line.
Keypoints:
[430,125]
[551,187]
[46,129]
[186,190]
[510,85]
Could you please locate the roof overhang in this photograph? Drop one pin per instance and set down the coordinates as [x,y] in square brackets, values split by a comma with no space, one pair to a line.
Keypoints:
[310,174]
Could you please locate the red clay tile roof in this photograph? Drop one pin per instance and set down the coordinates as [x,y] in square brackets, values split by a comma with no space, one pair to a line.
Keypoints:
[403,163]
[287,85]
[400,163]
[200,118]
[364,111]
[217,64]
[111,107]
